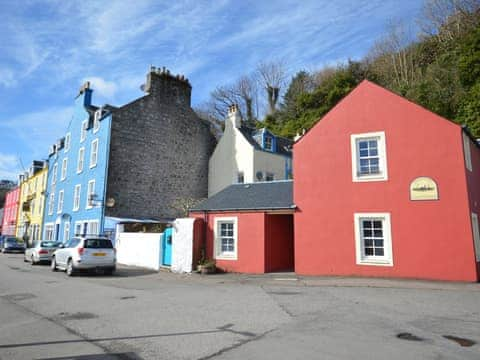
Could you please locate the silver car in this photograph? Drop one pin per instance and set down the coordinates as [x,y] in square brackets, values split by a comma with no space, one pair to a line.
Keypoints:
[41,251]
[85,253]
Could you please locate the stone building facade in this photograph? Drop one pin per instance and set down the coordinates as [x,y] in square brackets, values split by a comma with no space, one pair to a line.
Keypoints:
[159,151]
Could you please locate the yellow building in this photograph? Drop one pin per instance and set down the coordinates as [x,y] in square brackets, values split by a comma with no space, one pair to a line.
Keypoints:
[32,202]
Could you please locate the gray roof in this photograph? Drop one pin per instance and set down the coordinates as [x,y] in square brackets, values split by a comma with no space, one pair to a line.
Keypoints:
[270,195]
[284,145]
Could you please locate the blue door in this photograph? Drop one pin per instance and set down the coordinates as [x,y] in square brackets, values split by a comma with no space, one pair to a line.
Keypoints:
[167,247]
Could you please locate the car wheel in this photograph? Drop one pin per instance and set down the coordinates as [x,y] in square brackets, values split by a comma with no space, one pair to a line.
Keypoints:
[33,260]
[110,271]
[53,264]
[70,269]
[25,259]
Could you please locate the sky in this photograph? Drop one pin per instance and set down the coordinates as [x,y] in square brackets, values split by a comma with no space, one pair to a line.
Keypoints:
[49,48]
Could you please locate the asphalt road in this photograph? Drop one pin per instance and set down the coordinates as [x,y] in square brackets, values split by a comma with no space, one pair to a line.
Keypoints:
[138,314]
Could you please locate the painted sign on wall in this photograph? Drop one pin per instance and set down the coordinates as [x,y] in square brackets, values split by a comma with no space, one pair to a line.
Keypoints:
[423,188]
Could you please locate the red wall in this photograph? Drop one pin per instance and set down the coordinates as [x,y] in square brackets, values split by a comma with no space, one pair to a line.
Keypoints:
[251,242]
[278,243]
[430,239]
[10,211]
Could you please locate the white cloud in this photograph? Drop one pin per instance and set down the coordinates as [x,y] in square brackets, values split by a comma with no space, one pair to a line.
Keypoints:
[9,166]
[105,89]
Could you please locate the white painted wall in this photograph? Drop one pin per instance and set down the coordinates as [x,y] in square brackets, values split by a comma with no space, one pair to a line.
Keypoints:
[269,162]
[182,245]
[140,249]
[232,154]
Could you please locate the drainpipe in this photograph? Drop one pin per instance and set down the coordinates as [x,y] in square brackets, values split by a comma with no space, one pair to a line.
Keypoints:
[204,245]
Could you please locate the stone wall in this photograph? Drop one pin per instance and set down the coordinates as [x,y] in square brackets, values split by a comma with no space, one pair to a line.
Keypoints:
[159,151]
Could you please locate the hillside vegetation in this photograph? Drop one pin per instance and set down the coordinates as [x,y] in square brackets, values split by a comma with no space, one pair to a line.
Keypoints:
[438,69]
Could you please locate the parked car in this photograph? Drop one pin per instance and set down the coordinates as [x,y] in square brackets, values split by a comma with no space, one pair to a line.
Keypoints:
[85,253]
[2,238]
[13,244]
[41,251]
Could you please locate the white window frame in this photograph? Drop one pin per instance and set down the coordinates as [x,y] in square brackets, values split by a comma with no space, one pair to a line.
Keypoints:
[96,120]
[93,154]
[68,138]
[49,229]
[361,259]
[382,154]
[270,138]
[217,239]
[54,173]
[90,192]
[76,197]
[90,226]
[61,195]
[64,169]
[81,159]
[51,202]
[83,130]
[476,236]
[467,152]
[66,231]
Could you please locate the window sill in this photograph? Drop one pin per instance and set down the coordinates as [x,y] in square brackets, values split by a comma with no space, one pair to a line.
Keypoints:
[226,257]
[92,166]
[370,178]
[375,262]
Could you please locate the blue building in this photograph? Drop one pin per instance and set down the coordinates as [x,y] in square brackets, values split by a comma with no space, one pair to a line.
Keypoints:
[127,164]
[77,172]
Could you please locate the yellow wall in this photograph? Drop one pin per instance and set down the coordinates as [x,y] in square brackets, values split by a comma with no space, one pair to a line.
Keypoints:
[32,192]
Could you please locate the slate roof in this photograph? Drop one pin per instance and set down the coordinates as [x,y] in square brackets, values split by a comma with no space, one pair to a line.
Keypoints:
[270,195]
[284,146]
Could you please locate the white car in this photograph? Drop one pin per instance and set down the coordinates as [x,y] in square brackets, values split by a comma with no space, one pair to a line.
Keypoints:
[85,253]
[40,251]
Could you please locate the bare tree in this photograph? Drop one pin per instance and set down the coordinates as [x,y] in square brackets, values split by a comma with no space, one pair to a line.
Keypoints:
[271,76]
[446,19]
[393,56]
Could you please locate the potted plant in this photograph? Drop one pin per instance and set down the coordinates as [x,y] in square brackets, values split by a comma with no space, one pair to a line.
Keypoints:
[206,266]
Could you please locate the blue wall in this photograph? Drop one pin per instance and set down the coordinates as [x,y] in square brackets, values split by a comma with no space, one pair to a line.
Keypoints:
[97,173]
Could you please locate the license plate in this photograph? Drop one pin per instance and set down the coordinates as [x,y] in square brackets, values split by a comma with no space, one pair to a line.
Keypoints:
[98,254]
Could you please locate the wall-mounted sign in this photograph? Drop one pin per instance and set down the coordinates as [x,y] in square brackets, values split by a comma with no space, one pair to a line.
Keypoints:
[423,188]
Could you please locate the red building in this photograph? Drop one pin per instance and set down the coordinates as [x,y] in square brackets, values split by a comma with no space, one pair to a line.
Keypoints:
[386,188]
[248,228]
[10,211]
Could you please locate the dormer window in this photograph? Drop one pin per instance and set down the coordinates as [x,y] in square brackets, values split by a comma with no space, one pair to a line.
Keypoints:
[268,143]
[96,120]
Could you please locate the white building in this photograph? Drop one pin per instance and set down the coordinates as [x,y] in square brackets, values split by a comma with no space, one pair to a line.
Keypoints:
[246,155]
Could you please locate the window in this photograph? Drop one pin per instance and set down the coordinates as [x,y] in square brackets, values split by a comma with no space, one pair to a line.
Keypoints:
[96,120]
[54,174]
[60,202]
[240,177]
[369,161]
[92,228]
[94,153]
[373,239]
[268,143]
[90,193]
[76,197]
[83,130]
[66,232]
[67,142]
[269,176]
[226,238]
[476,236]
[81,156]
[64,168]
[467,151]
[78,229]
[48,231]
[50,204]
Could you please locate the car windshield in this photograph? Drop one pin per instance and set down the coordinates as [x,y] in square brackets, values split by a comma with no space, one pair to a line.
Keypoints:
[49,244]
[98,244]
[11,240]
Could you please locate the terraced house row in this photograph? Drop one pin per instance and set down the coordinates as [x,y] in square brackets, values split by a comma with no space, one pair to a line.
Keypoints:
[378,187]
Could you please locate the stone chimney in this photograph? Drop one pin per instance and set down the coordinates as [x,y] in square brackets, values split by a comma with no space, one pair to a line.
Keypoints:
[234,116]
[168,88]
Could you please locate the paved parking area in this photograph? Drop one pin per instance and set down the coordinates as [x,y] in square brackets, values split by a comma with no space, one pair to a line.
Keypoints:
[139,314]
